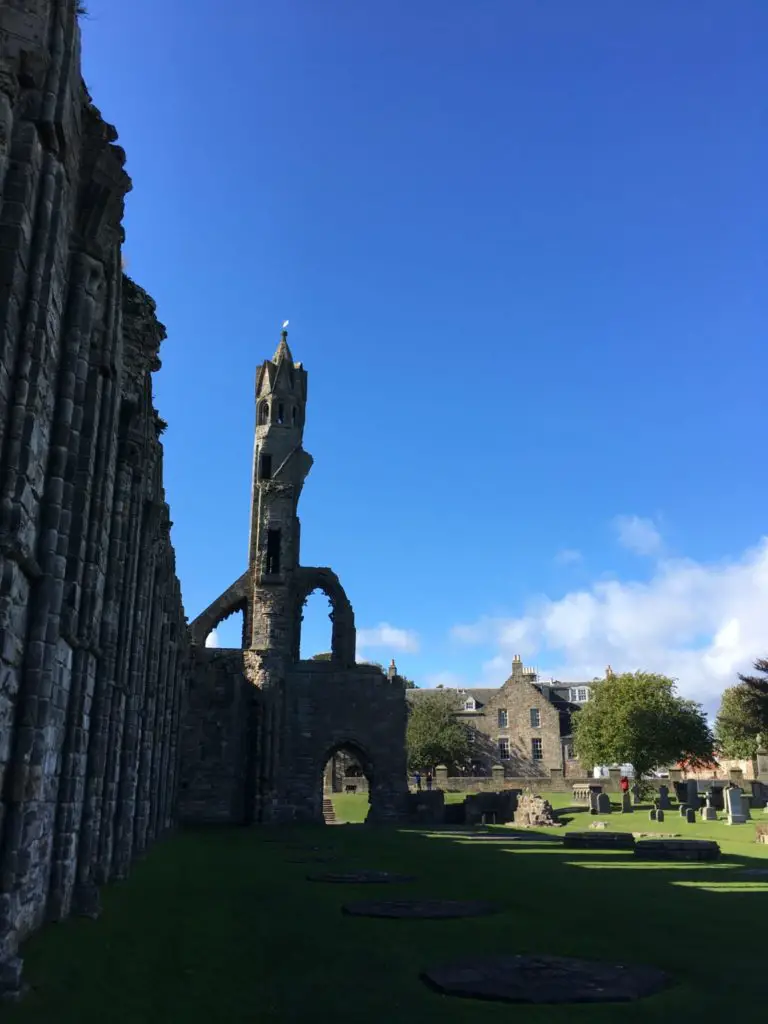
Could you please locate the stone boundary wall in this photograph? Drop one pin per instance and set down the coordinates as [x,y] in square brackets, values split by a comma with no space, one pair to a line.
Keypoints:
[93,647]
[556,782]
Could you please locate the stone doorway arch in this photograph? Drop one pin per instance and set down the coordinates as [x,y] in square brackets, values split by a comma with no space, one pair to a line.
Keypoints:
[355,750]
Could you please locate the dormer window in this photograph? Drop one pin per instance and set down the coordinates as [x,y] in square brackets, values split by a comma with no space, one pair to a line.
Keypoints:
[280,412]
[579,694]
[264,413]
[470,704]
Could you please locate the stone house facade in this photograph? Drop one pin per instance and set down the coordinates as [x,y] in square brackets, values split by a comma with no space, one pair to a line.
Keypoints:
[523,725]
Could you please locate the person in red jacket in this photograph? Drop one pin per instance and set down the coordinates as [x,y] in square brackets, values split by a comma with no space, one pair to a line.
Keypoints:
[624,784]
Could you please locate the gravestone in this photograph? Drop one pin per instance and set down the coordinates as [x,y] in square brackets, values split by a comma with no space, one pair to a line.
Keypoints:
[677,849]
[683,810]
[636,794]
[708,812]
[718,797]
[692,793]
[652,814]
[690,816]
[626,803]
[745,807]
[659,815]
[603,803]
[664,804]
[734,805]
[593,801]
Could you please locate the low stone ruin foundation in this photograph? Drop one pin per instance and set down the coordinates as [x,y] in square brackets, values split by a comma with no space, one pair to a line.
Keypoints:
[534,811]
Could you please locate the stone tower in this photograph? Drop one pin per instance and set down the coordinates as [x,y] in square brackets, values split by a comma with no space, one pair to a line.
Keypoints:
[261,723]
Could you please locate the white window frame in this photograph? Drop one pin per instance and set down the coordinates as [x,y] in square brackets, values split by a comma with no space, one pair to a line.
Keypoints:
[503,712]
[505,741]
[470,704]
[537,723]
[534,741]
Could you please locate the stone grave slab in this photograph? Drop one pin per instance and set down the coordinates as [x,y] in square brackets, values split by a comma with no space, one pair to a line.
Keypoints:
[600,840]
[364,877]
[545,979]
[677,849]
[427,909]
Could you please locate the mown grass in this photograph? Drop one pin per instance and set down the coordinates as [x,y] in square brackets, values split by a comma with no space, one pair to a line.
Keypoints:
[221,925]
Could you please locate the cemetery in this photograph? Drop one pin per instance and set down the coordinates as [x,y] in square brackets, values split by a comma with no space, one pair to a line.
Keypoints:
[417,922]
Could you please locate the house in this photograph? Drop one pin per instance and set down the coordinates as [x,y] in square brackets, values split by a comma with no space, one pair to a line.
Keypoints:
[524,725]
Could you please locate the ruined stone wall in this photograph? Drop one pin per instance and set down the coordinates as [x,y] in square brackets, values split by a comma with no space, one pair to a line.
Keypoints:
[221,711]
[92,631]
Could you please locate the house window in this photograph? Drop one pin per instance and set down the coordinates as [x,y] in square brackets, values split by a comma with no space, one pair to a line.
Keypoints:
[503,719]
[273,552]
[264,412]
[579,694]
[503,748]
[536,750]
[535,718]
[265,467]
[569,755]
[470,704]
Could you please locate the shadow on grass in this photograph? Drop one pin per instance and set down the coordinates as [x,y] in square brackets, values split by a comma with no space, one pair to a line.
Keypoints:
[218,924]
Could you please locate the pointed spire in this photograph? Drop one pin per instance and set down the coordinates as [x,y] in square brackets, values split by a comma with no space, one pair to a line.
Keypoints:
[282,351]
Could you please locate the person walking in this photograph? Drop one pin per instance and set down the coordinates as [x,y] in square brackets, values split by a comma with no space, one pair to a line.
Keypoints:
[429,781]
[417,780]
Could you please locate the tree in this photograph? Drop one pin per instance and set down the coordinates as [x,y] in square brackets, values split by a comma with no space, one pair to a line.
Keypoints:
[637,718]
[435,736]
[743,714]
[324,656]
[409,683]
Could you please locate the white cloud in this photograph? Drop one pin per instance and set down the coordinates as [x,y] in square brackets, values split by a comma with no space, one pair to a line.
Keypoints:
[568,556]
[638,535]
[450,680]
[391,637]
[212,640]
[701,623]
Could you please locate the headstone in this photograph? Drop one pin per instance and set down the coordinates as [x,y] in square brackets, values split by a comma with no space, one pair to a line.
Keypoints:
[690,816]
[659,815]
[692,793]
[664,804]
[708,812]
[652,814]
[683,810]
[734,805]
[636,794]
[745,807]
[626,803]
[593,800]
[603,804]
[718,798]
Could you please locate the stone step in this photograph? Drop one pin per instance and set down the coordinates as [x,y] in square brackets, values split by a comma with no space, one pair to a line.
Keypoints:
[329,813]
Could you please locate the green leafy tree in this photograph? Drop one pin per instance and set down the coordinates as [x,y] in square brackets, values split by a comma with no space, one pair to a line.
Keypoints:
[637,718]
[743,714]
[409,683]
[435,736]
[324,656]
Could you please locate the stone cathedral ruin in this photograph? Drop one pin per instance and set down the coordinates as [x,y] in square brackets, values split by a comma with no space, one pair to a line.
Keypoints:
[260,723]
[114,722]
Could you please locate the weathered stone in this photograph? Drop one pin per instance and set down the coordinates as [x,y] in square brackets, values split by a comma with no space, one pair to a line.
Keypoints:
[431,909]
[93,646]
[690,816]
[677,849]
[664,802]
[362,878]
[599,840]
[261,723]
[603,803]
[545,979]
[534,812]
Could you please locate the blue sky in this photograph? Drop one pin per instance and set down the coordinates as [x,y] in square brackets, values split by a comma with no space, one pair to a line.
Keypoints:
[522,247]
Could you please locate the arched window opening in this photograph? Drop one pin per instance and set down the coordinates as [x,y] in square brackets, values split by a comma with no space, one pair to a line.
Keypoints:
[280,412]
[315,626]
[347,786]
[264,413]
[229,633]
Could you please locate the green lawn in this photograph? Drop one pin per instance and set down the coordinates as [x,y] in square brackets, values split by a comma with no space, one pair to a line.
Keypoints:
[221,926]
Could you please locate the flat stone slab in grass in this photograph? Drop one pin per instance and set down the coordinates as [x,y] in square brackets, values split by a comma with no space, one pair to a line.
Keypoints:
[753,872]
[599,840]
[677,849]
[361,877]
[428,909]
[545,979]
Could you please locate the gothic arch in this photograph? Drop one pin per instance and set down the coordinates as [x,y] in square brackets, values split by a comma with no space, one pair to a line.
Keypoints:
[343,633]
[234,599]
